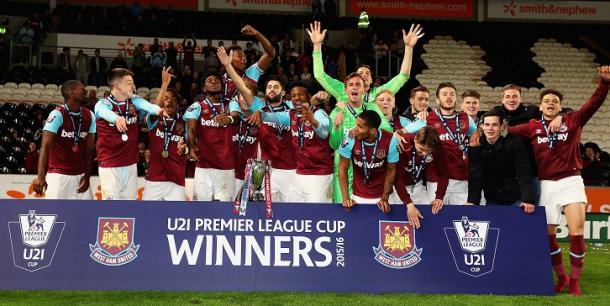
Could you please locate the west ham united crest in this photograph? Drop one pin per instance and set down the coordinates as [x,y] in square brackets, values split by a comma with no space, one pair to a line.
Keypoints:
[114,245]
[34,240]
[397,248]
[473,245]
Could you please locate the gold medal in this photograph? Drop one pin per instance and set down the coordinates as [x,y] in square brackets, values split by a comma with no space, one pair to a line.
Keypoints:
[165,154]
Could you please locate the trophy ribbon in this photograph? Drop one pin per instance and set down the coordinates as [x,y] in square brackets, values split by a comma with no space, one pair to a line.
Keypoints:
[268,204]
[241,200]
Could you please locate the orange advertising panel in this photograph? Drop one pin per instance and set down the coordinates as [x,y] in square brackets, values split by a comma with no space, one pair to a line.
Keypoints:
[463,9]
[599,199]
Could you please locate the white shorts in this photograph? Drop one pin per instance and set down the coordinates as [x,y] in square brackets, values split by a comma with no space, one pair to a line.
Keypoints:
[457,192]
[361,200]
[554,195]
[213,184]
[311,189]
[419,195]
[119,183]
[61,186]
[163,191]
[281,183]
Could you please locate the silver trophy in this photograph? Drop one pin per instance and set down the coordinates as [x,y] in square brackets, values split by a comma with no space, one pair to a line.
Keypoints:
[259,170]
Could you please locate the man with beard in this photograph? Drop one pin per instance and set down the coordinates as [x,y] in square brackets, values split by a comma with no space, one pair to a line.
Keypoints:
[167,167]
[239,61]
[559,164]
[117,141]
[210,133]
[453,128]
[418,98]
[67,146]
[308,133]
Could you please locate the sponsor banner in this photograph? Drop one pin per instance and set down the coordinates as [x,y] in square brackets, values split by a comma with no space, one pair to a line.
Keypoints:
[17,186]
[597,228]
[462,9]
[548,10]
[184,4]
[271,6]
[124,245]
[599,199]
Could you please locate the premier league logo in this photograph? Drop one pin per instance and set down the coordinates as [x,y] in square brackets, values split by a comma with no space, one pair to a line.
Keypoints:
[397,248]
[473,245]
[114,245]
[34,239]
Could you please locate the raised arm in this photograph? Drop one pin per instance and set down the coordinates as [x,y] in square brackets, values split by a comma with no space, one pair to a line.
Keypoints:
[332,86]
[240,84]
[410,39]
[598,97]
[166,78]
[269,54]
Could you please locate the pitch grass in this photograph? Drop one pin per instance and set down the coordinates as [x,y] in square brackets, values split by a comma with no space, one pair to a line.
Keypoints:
[595,286]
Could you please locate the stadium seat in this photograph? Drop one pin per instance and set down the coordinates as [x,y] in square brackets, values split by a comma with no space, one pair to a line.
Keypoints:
[88,88]
[51,86]
[24,85]
[37,86]
[10,85]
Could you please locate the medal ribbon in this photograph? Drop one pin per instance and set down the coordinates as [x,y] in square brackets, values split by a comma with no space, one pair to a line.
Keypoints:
[242,137]
[552,136]
[457,138]
[167,133]
[80,124]
[213,108]
[268,204]
[364,158]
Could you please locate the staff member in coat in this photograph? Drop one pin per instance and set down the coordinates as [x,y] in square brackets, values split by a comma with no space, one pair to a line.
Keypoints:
[500,167]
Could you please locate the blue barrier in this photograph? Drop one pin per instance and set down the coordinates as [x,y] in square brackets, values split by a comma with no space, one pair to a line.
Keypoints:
[123,245]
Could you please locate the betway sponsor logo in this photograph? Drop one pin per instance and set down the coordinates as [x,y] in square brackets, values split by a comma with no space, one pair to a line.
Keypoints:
[560,137]
[369,165]
[306,134]
[209,122]
[71,134]
[447,137]
[175,138]
[249,139]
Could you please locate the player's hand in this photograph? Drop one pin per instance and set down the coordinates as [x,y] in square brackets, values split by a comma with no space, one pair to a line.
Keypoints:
[555,124]
[413,215]
[121,124]
[352,133]
[319,98]
[166,77]
[222,119]
[338,120]
[604,73]
[437,205]
[194,154]
[401,142]
[223,57]
[415,33]
[83,185]
[181,147]
[423,115]
[468,203]
[315,32]
[255,119]
[307,114]
[475,140]
[527,207]
[348,203]
[249,30]
[163,113]
[39,185]
[340,105]
[384,206]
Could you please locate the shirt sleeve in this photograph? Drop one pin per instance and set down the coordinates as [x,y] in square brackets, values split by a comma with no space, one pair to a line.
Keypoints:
[257,104]
[234,106]
[103,110]
[54,122]
[521,129]
[472,126]
[281,118]
[193,112]
[289,104]
[332,86]
[144,105]
[93,126]
[404,121]
[254,72]
[346,147]
[336,135]
[415,126]
[322,117]
[393,151]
